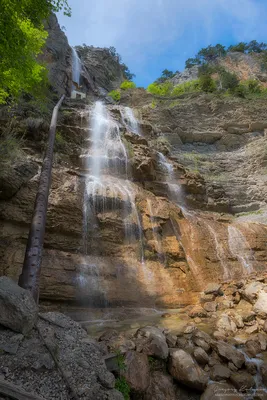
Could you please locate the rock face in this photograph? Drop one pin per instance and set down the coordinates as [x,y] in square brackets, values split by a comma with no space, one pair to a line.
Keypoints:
[18,310]
[57,56]
[56,360]
[103,68]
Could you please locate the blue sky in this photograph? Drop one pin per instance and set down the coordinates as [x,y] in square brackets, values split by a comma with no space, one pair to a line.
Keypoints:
[152,35]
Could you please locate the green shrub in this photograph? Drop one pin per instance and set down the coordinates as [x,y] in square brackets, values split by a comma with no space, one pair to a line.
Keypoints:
[122,386]
[187,87]
[128,85]
[207,84]
[10,146]
[115,95]
[229,81]
[160,89]
[253,86]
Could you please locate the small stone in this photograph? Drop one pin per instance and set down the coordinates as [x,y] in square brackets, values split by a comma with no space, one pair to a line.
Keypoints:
[219,372]
[171,340]
[197,311]
[210,306]
[201,356]
[251,367]
[260,307]
[197,320]
[263,371]
[252,329]
[252,348]
[263,341]
[213,288]
[189,329]
[265,327]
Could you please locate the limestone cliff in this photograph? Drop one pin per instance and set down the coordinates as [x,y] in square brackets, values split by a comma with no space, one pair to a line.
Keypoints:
[193,199]
[245,66]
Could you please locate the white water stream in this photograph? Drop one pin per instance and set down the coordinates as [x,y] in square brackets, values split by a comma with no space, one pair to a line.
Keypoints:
[129,120]
[76,67]
[240,248]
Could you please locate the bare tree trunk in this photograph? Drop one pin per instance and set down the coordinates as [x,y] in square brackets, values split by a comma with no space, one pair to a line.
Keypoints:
[31,270]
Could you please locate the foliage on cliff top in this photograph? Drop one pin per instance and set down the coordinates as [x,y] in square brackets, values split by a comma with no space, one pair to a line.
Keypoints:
[22,37]
[128,85]
[211,53]
[169,90]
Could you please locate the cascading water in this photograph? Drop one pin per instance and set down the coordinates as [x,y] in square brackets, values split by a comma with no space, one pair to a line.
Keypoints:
[240,248]
[219,250]
[76,67]
[174,189]
[155,233]
[107,188]
[129,120]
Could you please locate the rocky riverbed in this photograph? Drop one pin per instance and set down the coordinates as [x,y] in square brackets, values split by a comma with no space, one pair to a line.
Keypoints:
[218,347]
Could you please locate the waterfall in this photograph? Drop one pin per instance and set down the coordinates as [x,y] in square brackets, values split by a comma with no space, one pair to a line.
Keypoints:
[219,251]
[167,166]
[240,248]
[76,67]
[159,251]
[129,120]
[108,191]
[174,189]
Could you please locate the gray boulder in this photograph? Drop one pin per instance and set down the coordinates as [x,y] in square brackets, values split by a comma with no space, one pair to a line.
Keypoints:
[185,370]
[18,310]
[137,373]
[229,353]
[219,372]
[152,342]
[161,387]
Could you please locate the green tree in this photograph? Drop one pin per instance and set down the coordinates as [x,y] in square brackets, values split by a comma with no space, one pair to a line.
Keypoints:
[22,37]
[240,47]
[207,84]
[229,81]
[191,62]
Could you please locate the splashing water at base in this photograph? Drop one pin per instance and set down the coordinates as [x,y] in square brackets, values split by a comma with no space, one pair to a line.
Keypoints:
[240,248]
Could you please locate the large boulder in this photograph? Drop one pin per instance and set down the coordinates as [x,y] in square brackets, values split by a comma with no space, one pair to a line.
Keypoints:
[260,307]
[185,370]
[213,288]
[219,372]
[229,353]
[18,310]
[161,387]
[226,325]
[242,380]
[152,342]
[137,373]
[251,290]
